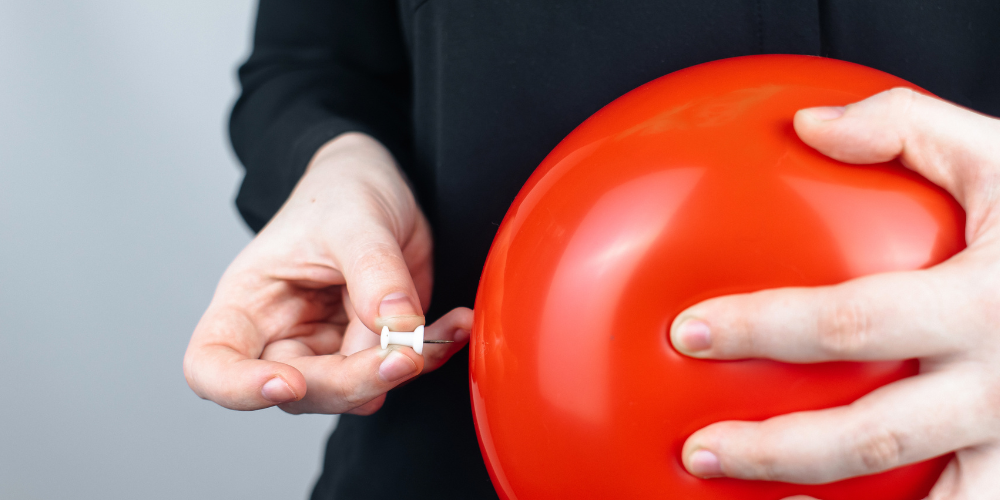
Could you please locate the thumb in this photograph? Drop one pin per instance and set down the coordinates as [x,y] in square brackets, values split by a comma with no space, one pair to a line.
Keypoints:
[945,143]
[378,279]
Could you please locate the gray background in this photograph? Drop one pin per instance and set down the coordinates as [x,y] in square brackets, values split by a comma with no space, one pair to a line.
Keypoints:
[116,220]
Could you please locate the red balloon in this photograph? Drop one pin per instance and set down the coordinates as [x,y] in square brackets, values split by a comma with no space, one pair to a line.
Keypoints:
[692,186]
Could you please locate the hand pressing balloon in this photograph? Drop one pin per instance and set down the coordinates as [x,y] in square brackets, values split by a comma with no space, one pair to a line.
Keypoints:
[292,321]
[947,316]
[690,187]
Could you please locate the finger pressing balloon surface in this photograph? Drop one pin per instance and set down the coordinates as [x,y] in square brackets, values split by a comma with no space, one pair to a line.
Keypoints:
[689,187]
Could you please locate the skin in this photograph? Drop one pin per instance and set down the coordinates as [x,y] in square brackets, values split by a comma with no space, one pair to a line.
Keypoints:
[947,316]
[292,321]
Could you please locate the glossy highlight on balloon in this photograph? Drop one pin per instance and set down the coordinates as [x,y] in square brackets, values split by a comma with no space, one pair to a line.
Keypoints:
[689,187]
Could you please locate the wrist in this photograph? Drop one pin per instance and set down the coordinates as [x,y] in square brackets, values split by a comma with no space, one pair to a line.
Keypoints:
[355,157]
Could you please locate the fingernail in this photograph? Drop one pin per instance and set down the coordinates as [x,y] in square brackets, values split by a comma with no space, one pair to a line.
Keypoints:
[396,366]
[693,335]
[705,464]
[277,390]
[395,304]
[826,113]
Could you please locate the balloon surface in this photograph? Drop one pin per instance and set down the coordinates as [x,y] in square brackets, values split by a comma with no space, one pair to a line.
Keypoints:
[692,186]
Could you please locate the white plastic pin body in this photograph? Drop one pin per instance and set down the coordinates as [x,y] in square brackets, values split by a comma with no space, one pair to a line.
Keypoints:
[414,339]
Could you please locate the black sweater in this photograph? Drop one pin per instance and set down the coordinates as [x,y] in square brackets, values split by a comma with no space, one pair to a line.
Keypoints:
[470,95]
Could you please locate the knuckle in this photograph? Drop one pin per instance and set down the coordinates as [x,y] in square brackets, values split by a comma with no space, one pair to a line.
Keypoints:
[763,465]
[353,397]
[368,408]
[903,95]
[759,460]
[376,257]
[989,406]
[990,304]
[876,450]
[348,393]
[735,333]
[189,375]
[844,328]
[753,341]
[901,98]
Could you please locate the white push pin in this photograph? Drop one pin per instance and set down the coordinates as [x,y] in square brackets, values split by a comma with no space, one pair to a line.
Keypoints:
[414,339]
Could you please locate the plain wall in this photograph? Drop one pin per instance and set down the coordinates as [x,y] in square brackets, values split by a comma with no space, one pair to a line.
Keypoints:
[116,221]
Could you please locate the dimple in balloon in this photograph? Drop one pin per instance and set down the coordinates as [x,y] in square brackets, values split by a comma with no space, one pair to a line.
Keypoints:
[689,187]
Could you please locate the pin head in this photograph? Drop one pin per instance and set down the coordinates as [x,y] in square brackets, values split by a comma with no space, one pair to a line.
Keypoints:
[414,339]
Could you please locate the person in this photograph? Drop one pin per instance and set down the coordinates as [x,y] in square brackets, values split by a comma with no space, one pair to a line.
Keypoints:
[371,129]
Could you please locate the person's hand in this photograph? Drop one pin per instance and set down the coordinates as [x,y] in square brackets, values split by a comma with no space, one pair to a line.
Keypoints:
[292,321]
[947,316]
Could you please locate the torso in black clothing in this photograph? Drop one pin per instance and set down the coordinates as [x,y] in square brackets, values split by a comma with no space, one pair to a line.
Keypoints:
[471,95]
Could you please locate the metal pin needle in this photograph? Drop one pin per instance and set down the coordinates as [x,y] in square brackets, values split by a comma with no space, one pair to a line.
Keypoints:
[439,341]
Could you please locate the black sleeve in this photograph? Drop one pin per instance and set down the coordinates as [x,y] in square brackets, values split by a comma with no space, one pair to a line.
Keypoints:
[318,68]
